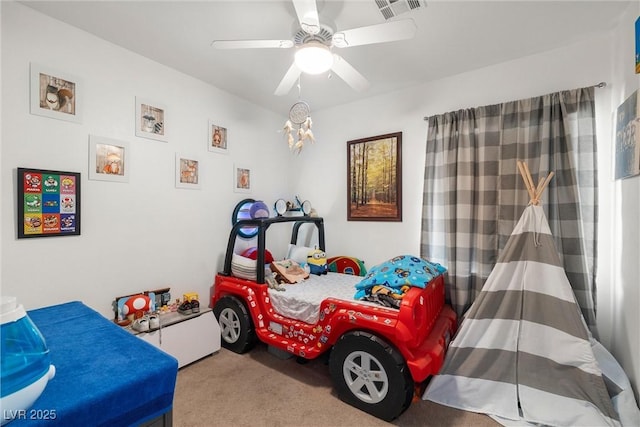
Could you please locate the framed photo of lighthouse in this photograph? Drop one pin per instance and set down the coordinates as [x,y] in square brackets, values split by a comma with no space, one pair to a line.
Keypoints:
[55,94]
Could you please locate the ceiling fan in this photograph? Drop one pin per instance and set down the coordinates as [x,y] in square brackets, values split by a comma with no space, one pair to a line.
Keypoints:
[314,43]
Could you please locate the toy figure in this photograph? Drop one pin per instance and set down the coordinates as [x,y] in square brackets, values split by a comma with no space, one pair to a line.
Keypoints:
[32,181]
[136,304]
[317,261]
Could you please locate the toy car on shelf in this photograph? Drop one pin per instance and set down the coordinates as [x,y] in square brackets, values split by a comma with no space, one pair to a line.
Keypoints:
[378,356]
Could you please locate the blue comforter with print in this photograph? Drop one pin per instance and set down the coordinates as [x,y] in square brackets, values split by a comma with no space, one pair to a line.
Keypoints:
[387,283]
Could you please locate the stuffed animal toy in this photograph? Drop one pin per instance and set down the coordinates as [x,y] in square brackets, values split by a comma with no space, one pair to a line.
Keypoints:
[288,271]
[135,305]
[317,261]
[252,253]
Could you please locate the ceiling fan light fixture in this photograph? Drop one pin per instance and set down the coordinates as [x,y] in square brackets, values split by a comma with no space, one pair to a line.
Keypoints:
[314,58]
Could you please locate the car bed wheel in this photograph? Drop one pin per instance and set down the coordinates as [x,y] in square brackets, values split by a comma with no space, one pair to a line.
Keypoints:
[371,375]
[236,327]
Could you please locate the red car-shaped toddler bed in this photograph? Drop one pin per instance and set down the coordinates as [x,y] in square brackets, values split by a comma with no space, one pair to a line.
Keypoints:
[378,355]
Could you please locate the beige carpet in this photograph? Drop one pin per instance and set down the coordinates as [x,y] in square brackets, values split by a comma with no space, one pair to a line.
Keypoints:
[260,389]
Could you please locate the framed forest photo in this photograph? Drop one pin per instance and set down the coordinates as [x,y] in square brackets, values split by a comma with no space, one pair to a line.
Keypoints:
[374,178]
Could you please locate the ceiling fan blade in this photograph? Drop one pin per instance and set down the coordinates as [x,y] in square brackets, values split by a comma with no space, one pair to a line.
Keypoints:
[288,80]
[251,44]
[307,15]
[379,33]
[349,74]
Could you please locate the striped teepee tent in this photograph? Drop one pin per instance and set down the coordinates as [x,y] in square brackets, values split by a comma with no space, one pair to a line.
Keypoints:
[523,352]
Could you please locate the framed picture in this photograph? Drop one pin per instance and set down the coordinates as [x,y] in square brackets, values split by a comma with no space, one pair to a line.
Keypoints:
[638,46]
[108,159]
[374,178]
[242,179]
[48,203]
[151,120]
[217,138]
[187,172]
[627,138]
[55,94]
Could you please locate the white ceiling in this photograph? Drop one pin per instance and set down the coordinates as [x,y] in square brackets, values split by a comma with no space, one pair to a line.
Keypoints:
[452,37]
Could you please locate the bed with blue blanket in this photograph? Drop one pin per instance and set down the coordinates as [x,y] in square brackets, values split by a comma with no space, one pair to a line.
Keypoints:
[105,376]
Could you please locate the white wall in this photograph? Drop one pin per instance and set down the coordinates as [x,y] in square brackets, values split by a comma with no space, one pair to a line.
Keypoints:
[140,235]
[623,232]
[583,64]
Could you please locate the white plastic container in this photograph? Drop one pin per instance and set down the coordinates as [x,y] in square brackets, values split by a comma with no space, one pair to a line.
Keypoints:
[24,358]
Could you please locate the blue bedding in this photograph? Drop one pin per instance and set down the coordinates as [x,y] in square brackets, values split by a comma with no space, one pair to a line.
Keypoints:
[396,275]
[104,374]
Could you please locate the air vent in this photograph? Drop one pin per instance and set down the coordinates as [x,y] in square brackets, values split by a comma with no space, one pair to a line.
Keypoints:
[392,8]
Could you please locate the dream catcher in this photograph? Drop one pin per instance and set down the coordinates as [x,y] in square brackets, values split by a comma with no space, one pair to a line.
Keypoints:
[298,126]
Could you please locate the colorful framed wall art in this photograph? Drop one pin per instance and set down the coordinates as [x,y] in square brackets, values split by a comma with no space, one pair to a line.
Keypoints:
[638,46]
[48,203]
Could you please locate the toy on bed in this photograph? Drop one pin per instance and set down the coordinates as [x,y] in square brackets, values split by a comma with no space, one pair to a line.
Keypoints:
[317,261]
[346,265]
[289,271]
[387,283]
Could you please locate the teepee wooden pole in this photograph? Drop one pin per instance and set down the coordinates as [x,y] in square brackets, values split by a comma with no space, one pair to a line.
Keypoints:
[544,185]
[533,187]
[534,192]
[540,183]
[523,173]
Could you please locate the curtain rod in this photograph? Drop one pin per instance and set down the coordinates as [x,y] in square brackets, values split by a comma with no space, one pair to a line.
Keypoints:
[599,85]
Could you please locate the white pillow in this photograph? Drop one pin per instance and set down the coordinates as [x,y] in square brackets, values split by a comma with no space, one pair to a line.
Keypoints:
[298,253]
[243,267]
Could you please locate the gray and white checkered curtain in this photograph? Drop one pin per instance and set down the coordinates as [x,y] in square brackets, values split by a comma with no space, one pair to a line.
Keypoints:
[474,194]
